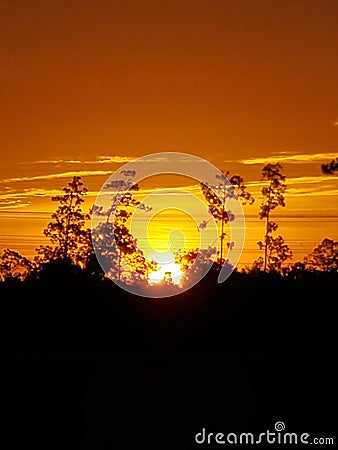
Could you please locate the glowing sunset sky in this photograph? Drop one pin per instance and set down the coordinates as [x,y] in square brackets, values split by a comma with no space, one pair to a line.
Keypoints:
[87,86]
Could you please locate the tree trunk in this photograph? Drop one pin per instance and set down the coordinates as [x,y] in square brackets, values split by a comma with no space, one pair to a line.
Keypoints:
[266,231]
[65,256]
[119,265]
[222,223]
[222,238]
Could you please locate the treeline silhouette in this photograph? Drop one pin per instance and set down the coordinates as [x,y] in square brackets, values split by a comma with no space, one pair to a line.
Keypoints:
[109,248]
[65,309]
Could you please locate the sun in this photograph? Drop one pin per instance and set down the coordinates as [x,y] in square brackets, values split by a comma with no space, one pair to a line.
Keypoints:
[167,268]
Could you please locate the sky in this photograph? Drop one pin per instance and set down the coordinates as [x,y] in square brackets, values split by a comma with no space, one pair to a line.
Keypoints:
[88,86]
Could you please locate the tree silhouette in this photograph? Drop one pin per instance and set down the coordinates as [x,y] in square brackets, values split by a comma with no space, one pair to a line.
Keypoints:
[216,202]
[187,260]
[69,238]
[117,248]
[324,256]
[277,253]
[275,250]
[118,252]
[14,265]
[331,168]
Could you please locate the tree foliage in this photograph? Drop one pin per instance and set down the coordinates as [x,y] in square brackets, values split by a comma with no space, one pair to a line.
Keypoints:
[324,256]
[113,242]
[275,249]
[216,197]
[273,193]
[331,168]
[192,267]
[67,231]
[14,265]
[278,253]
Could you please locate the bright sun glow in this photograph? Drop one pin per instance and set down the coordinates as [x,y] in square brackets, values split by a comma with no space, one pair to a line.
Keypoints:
[167,268]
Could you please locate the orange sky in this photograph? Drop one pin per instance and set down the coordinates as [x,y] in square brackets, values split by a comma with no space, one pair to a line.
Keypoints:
[235,82]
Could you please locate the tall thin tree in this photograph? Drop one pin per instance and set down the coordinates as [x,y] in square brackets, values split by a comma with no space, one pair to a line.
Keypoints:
[273,196]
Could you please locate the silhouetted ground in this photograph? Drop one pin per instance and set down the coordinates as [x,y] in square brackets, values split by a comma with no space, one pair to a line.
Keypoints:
[88,366]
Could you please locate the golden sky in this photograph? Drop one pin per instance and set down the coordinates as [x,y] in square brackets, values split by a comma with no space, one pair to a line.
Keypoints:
[87,86]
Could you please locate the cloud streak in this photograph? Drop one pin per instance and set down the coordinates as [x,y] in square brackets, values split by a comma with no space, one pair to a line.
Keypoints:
[289,158]
[38,193]
[297,180]
[106,159]
[12,203]
[52,176]
[114,159]
[103,159]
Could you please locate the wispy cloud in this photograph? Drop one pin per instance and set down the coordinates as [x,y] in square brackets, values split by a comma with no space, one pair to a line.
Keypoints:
[54,161]
[111,159]
[290,158]
[103,159]
[52,176]
[115,159]
[12,203]
[306,186]
[26,193]
[298,181]
[311,179]
[311,192]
